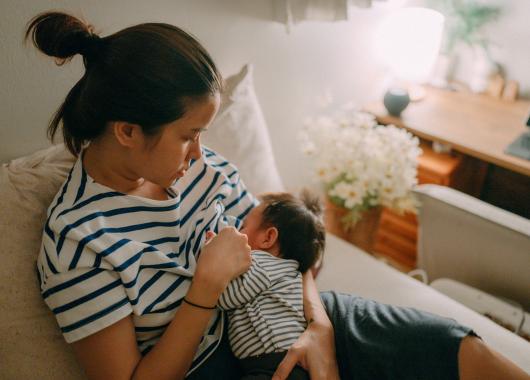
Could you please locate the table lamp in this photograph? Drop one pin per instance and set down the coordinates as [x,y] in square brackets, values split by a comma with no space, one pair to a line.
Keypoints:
[407,42]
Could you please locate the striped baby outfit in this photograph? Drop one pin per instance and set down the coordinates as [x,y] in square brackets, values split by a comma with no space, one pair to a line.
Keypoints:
[265,306]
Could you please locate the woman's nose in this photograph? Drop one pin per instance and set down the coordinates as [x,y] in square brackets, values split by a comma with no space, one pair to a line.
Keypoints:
[195,150]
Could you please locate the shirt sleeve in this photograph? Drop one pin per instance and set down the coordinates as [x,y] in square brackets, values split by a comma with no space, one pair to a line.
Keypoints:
[233,196]
[246,287]
[85,299]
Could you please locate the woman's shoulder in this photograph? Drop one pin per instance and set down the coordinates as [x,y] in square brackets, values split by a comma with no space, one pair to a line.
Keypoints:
[212,167]
[217,161]
[77,197]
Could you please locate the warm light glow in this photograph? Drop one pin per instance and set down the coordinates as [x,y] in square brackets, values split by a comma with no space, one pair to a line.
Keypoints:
[408,41]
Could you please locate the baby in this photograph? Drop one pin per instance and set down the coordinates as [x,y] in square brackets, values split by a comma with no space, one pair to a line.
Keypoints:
[265,304]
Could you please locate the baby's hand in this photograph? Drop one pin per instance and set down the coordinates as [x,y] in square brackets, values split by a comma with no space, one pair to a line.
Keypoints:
[224,257]
[209,236]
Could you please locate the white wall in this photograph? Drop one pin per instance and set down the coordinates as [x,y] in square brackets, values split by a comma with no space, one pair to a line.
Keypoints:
[291,70]
[509,40]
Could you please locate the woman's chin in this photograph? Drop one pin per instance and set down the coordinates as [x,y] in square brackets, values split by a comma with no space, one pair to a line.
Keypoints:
[176,176]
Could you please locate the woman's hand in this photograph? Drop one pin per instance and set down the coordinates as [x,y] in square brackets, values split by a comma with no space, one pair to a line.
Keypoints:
[314,351]
[224,257]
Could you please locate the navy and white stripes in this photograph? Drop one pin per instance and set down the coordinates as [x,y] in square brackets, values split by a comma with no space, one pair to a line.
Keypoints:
[265,306]
[106,255]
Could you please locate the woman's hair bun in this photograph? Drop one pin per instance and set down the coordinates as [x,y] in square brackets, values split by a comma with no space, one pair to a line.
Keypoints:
[60,35]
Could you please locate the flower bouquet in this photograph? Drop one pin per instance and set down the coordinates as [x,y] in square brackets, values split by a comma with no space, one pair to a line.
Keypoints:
[361,164]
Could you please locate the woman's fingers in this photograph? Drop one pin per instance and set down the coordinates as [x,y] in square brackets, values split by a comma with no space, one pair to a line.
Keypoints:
[313,351]
[286,366]
[228,253]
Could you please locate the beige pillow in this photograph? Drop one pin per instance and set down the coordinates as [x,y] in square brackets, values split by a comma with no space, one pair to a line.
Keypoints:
[31,345]
[240,134]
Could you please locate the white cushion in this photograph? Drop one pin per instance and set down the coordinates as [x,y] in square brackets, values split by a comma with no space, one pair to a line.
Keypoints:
[239,133]
[31,345]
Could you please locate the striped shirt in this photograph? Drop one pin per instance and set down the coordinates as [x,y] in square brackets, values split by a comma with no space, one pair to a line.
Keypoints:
[106,254]
[265,306]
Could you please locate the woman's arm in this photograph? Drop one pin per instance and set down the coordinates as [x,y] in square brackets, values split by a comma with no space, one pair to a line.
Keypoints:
[315,349]
[113,351]
[313,308]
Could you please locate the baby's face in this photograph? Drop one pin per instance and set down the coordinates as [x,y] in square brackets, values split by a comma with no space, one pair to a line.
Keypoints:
[252,226]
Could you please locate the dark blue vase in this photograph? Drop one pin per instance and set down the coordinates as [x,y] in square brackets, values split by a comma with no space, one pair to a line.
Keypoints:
[396,100]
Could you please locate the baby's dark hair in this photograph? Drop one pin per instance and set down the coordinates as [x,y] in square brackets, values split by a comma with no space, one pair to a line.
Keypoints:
[301,232]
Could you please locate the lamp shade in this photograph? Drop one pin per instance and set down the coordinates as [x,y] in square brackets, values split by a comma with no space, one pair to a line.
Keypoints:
[407,42]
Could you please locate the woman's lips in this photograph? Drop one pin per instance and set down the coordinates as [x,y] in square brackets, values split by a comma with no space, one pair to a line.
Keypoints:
[182,171]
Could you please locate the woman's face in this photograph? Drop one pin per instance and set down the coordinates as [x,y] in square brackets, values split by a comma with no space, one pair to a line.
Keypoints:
[168,158]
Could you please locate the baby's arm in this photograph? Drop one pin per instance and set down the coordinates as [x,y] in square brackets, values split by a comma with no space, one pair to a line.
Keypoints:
[246,287]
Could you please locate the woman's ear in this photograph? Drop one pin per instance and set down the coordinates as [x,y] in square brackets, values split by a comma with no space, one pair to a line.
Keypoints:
[128,135]
[269,237]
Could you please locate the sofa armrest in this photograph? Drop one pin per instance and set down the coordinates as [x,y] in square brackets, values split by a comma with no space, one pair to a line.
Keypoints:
[471,241]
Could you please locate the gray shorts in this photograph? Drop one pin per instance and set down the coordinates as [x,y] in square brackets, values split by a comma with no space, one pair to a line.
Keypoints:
[373,341]
[378,341]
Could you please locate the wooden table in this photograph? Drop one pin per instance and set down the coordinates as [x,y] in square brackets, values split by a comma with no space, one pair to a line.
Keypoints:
[478,128]
[476,125]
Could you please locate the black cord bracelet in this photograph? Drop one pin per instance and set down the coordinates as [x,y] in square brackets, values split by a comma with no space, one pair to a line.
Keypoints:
[199,306]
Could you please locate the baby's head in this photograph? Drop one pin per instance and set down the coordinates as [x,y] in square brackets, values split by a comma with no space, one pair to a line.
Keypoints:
[287,227]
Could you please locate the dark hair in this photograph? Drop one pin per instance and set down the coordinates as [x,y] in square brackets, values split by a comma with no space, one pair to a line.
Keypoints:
[145,75]
[301,232]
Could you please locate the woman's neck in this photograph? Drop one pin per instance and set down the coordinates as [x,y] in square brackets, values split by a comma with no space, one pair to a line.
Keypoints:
[109,166]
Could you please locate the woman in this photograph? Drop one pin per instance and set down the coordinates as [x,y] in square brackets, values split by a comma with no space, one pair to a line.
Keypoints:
[124,265]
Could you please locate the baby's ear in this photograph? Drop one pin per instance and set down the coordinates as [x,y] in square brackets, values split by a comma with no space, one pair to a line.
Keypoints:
[269,237]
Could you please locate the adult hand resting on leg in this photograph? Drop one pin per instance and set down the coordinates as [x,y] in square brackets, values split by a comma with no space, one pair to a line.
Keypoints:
[315,348]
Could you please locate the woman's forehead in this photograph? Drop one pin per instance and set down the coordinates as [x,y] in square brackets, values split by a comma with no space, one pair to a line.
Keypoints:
[199,114]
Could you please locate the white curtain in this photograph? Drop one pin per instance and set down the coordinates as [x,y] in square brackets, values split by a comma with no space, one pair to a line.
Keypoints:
[290,12]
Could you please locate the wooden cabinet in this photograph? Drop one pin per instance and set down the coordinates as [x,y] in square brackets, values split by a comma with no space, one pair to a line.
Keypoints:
[397,235]
[438,168]
[396,239]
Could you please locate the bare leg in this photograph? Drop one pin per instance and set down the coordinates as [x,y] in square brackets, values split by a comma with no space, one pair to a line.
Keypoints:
[478,361]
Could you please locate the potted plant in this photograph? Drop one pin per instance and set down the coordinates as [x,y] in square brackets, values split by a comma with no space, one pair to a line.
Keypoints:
[363,167]
[464,23]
